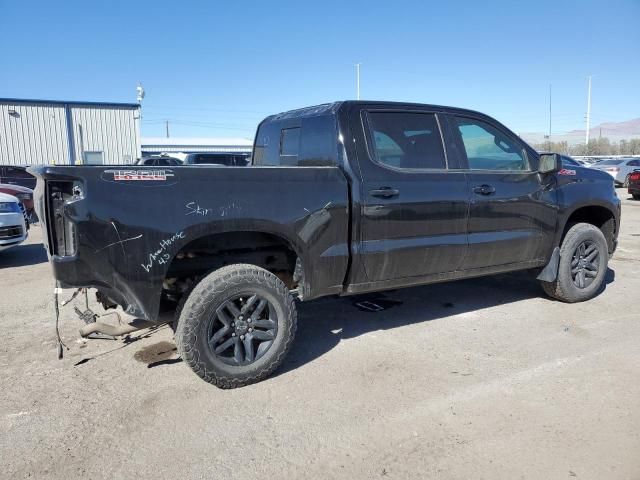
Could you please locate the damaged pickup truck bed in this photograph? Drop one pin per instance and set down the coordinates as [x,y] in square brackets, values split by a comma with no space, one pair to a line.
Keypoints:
[341,198]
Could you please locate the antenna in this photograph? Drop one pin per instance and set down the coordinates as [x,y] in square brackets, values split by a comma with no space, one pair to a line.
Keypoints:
[357,81]
[139,93]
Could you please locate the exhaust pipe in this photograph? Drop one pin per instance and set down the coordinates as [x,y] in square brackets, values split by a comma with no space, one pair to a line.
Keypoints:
[113,330]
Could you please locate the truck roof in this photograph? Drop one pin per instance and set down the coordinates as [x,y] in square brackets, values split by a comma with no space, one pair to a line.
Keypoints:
[333,107]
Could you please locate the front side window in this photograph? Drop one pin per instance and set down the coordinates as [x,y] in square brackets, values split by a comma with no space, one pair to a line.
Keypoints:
[406,140]
[487,148]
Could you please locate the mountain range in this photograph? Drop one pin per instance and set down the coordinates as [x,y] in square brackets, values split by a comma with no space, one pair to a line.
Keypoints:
[614,131]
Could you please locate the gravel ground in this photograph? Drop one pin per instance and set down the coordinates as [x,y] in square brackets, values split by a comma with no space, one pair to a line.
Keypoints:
[483,378]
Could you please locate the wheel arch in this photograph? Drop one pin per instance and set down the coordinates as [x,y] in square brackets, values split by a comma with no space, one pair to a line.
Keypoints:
[208,250]
[598,215]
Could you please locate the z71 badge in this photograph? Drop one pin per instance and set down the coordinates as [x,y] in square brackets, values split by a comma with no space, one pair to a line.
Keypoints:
[145,178]
[566,171]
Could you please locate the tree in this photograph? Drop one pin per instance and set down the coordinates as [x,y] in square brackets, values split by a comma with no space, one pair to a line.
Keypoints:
[597,146]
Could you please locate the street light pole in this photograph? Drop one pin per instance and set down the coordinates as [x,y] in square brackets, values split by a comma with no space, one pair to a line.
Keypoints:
[549,112]
[586,141]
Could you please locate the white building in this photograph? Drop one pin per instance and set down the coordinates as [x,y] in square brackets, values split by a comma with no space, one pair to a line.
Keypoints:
[177,146]
[61,132]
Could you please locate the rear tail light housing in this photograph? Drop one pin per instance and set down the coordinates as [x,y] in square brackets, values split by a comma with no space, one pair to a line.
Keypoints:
[62,232]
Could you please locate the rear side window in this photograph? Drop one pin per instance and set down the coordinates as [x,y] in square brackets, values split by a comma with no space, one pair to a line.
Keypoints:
[487,148]
[306,142]
[406,140]
[289,146]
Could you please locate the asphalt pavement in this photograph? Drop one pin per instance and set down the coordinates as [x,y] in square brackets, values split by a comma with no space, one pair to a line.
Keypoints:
[483,378]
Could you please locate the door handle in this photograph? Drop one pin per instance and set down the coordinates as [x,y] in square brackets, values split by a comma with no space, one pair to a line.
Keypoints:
[484,190]
[384,192]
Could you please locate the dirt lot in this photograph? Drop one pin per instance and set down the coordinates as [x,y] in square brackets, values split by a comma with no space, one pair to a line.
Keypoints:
[475,379]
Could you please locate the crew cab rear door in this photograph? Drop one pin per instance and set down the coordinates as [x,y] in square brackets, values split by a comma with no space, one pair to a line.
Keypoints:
[413,209]
[510,213]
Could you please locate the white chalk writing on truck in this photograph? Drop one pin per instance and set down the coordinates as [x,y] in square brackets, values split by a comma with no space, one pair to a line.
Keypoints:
[194,208]
[160,256]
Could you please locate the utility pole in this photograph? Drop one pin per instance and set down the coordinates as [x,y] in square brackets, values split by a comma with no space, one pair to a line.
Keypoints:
[166,125]
[586,141]
[549,117]
[357,81]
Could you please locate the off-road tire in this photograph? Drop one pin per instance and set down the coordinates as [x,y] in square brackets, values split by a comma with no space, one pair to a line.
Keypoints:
[563,288]
[213,290]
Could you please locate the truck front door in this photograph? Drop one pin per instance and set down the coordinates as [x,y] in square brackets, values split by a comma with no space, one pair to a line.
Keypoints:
[511,212]
[413,209]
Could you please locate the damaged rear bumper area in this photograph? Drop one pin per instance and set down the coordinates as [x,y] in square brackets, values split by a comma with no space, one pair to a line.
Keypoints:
[75,262]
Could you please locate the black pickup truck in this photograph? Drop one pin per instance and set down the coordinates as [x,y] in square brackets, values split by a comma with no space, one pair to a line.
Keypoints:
[343,198]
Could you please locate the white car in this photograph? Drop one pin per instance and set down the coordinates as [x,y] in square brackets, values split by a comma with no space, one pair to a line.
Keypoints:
[13,227]
[618,168]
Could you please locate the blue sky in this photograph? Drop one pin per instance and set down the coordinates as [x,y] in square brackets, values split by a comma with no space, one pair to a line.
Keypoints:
[217,68]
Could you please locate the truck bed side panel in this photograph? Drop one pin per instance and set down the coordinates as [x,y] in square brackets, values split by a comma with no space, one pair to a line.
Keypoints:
[129,229]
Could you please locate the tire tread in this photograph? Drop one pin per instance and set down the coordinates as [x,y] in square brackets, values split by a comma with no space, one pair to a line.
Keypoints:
[556,289]
[195,306]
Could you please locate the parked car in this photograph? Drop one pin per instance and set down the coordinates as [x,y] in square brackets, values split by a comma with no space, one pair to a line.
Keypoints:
[634,184]
[567,161]
[13,226]
[159,160]
[618,168]
[23,194]
[344,198]
[227,159]
[588,161]
[17,175]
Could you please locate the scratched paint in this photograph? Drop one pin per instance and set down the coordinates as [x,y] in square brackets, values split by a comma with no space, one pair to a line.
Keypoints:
[120,241]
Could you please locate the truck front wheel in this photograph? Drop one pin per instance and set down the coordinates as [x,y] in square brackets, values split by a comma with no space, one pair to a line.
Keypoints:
[236,326]
[583,264]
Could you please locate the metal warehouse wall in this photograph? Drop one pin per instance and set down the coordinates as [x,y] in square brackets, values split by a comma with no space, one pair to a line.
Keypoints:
[43,132]
[36,134]
[110,130]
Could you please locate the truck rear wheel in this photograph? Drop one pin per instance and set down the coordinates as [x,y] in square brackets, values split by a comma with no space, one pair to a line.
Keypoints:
[583,264]
[236,326]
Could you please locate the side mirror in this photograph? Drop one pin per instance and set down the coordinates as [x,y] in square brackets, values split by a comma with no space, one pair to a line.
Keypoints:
[549,163]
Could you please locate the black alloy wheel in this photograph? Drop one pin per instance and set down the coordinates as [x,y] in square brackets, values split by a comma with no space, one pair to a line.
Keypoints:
[242,329]
[236,325]
[585,264]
